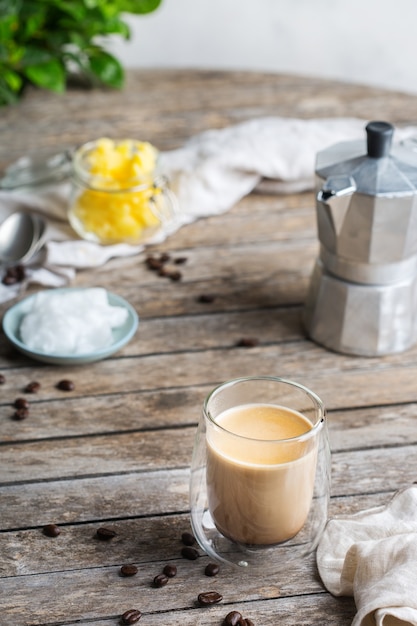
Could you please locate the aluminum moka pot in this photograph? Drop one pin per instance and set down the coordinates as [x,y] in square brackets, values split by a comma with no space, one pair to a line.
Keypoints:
[363,292]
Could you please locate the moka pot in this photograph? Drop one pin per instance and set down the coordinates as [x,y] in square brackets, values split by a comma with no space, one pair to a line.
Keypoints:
[363,293]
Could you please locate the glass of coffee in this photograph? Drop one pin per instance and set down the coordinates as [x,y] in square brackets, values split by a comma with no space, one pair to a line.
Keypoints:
[260,473]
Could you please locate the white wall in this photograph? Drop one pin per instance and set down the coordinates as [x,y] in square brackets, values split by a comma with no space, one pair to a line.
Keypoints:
[372,42]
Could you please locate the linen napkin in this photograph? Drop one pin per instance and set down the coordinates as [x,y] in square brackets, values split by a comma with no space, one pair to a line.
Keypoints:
[372,556]
[209,174]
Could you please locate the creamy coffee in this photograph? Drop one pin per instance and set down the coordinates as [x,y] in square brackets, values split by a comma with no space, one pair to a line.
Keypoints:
[259,478]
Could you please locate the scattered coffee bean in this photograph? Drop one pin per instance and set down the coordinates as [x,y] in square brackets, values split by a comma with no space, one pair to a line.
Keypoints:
[175,276]
[14,275]
[211,569]
[33,387]
[247,342]
[248,622]
[180,260]
[170,570]
[2,379]
[51,530]
[131,617]
[153,263]
[158,264]
[21,403]
[234,618]
[128,570]
[206,298]
[163,271]
[208,598]
[171,274]
[105,534]
[188,539]
[189,553]
[8,279]
[160,580]
[66,385]
[20,272]
[20,414]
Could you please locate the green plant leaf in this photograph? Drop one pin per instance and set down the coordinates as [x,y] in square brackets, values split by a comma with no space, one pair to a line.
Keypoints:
[34,55]
[8,27]
[12,79]
[49,75]
[31,22]
[77,10]
[9,7]
[107,68]
[138,6]
[44,41]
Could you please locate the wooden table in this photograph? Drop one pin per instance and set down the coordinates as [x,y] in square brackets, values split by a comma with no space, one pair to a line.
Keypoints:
[115,452]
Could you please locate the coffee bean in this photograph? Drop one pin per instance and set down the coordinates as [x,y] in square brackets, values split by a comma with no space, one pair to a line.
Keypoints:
[248,622]
[66,385]
[247,342]
[14,275]
[155,263]
[21,403]
[232,619]
[131,617]
[20,414]
[21,272]
[188,539]
[160,580]
[208,598]
[211,569]
[51,530]
[206,298]
[2,379]
[170,570]
[171,274]
[128,570]
[105,534]
[33,387]
[152,263]
[189,553]
[180,260]
[163,271]
[175,276]
[9,279]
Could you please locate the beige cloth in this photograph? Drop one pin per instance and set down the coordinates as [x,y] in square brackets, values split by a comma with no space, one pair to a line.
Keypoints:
[372,556]
[209,174]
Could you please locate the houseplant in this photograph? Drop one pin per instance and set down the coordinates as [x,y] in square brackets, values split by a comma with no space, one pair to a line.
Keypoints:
[45,42]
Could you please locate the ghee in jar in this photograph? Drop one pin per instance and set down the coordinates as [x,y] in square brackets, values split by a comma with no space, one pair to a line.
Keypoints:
[117,196]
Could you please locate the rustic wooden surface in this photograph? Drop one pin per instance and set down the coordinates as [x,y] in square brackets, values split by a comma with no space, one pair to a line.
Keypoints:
[116,450]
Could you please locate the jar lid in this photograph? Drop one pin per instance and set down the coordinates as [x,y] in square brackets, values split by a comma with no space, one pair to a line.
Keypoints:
[375,167]
[32,171]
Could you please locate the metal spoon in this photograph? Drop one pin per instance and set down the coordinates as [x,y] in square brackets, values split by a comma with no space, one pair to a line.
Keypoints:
[18,233]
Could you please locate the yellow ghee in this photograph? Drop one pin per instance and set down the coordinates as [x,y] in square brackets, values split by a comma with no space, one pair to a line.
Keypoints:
[117,196]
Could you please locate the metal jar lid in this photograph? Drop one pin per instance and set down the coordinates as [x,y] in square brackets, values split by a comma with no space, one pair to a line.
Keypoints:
[35,171]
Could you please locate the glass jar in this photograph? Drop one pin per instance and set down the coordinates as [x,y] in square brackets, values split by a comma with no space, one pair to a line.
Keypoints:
[117,195]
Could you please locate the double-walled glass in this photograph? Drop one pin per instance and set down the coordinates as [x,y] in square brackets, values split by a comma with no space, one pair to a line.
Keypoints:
[260,473]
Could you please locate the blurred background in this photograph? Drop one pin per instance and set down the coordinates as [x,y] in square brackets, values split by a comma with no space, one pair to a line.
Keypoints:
[372,42]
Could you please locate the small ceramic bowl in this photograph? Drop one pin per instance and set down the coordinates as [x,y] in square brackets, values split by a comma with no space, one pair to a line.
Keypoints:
[121,335]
